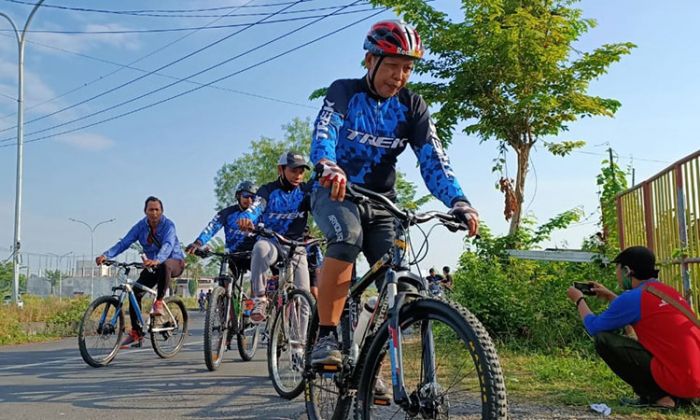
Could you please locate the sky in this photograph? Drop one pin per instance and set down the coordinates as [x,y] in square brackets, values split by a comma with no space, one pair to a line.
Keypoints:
[173,149]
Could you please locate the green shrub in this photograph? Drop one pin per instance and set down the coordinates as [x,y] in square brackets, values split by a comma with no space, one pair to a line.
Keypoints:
[521,302]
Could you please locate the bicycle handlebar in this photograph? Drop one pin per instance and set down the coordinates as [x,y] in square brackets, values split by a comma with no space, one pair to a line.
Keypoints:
[360,194]
[206,253]
[138,265]
[262,231]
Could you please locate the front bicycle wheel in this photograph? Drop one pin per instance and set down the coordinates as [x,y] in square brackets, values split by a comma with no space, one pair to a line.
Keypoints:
[169,330]
[248,334]
[467,380]
[326,393]
[216,328]
[285,349]
[101,331]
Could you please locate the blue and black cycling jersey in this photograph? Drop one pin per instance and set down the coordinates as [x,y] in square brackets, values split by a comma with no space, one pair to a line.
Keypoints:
[365,134]
[285,210]
[236,239]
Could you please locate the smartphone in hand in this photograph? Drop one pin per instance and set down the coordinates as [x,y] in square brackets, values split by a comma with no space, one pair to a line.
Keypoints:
[585,288]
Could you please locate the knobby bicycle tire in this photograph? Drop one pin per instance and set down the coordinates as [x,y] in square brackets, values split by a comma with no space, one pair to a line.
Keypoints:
[216,325]
[115,331]
[279,344]
[473,336]
[158,338]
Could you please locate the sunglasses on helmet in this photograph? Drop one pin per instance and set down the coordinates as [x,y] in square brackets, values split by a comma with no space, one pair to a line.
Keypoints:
[246,194]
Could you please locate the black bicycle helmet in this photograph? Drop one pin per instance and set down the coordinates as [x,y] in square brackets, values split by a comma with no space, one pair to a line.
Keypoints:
[247,186]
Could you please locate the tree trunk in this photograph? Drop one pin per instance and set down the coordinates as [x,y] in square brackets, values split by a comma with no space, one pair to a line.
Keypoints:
[523,151]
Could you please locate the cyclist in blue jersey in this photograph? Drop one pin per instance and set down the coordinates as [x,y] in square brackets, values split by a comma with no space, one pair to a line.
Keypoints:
[284,206]
[157,236]
[363,126]
[237,240]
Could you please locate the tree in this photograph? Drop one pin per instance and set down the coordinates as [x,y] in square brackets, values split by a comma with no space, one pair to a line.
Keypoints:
[54,277]
[511,71]
[612,180]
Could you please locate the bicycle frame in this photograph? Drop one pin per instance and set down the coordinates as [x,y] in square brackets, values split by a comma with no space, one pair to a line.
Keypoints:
[393,266]
[127,287]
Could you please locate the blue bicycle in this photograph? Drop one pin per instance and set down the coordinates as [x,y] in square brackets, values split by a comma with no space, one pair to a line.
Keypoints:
[102,326]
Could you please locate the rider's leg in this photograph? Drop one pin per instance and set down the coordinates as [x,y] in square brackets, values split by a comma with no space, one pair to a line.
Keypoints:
[263,256]
[165,272]
[340,224]
[302,281]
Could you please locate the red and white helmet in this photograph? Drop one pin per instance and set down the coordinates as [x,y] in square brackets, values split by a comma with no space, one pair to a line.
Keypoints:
[394,38]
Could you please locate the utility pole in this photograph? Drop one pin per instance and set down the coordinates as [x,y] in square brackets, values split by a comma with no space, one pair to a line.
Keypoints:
[16,244]
[92,247]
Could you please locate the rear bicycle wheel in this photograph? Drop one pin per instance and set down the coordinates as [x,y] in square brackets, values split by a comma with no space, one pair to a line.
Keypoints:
[468,380]
[216,328]
[101,331]
[326,393]
[285,349]
[169,330]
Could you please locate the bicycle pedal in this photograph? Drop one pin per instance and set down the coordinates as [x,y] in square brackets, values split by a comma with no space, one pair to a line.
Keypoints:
[385,401]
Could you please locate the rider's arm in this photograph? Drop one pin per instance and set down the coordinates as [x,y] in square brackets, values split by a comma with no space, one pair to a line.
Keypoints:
[124,243]
[255,210]
[434,164]
[168,242]
[210,230]
[328,124]
[625,310]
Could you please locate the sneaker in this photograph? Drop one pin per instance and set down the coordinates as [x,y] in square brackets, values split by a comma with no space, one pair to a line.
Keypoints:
[157,309]
[133,340]
[380,388]
[326,351]
[258,313]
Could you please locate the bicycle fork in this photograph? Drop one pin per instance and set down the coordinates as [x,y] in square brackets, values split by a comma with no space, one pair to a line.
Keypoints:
[428,388]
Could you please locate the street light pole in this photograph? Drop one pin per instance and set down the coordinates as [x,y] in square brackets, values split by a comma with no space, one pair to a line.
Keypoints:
[20,144]
[92,247]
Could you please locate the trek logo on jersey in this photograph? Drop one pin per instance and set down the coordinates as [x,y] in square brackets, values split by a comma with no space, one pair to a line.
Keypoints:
[286,216]
[324,119]
[376,141]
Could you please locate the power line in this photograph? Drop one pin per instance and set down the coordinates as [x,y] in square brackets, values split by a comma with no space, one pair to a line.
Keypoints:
[209,9]
[220,40]
[169,14]
[130,66]
[84,85]
[190,28]
[212,82]
[623,156]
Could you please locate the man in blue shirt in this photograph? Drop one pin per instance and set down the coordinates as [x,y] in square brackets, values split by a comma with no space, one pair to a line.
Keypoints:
[284,204]
[237,240]
[157,236]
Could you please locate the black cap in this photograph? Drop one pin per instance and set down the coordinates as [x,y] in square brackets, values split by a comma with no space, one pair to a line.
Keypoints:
[640,260]
[293,160]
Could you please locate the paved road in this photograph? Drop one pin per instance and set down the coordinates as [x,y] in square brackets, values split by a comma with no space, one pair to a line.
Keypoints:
[51,381]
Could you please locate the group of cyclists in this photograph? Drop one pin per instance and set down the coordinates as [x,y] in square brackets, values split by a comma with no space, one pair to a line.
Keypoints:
[363,126]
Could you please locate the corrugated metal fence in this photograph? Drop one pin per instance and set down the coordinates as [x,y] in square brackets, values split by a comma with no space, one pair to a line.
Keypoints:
[663,213]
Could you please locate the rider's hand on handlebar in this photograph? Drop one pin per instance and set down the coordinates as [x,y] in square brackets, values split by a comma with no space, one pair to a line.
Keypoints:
[151,263]
[100,260]
[246,225]
[467,215]
[191,248]
[332,177]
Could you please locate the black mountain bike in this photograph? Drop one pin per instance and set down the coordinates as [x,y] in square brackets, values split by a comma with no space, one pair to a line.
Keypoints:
[226,314]
[435,356]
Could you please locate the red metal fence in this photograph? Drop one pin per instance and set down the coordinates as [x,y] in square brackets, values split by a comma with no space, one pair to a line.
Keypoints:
[663,214]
